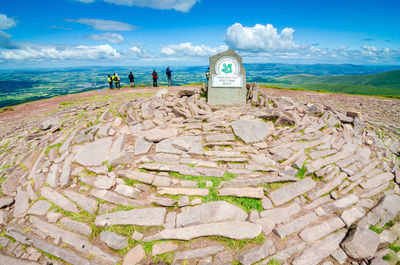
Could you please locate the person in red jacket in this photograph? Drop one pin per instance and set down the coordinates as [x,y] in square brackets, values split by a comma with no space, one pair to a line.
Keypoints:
[155,78]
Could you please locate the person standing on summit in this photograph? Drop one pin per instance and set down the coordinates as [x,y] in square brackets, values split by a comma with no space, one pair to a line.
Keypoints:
[169,75]
[110,81]
[155,78]
[131,80]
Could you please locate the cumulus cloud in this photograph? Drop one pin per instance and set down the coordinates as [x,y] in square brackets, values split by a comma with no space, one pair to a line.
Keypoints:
[178,5]
[187,49]
[139,52]
[259,38]
[50,53]
[105,25]
[109,37]
[6,23]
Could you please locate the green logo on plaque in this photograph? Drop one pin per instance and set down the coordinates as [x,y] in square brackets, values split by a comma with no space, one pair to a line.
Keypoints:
[227,68]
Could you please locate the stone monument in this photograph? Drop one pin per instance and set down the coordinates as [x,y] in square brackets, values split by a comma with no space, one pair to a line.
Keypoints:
[227,84]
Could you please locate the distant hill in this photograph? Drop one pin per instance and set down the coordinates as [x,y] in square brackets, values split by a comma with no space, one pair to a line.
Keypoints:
[389,79]
[385,84]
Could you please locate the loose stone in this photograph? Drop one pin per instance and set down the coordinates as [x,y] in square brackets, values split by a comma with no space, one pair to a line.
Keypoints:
[257,193]
[198,253]
[320,230]
[291,191]
[231,229]
[296,225]
[144,217]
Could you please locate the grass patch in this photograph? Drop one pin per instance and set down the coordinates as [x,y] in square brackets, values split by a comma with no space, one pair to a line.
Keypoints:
[4,109]
[53,257]
[247,204]
[394,247]
[131,182]
[274,262]
[236,245]
[301,173]
[387,257]
[378,229]
[48,148]
[165,257]
[121,208]
[274,185]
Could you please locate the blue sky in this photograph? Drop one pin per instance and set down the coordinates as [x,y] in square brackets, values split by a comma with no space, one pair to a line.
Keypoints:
[186,32]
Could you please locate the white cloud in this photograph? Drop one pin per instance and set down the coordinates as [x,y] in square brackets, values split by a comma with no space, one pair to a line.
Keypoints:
[49,53]
[109,37]
[106,25]
[140,52]
[187,49]
[178,5]
[259,38]
[6,23]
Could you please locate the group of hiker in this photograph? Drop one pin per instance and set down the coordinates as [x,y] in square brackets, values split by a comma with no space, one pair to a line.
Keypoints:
[115,80]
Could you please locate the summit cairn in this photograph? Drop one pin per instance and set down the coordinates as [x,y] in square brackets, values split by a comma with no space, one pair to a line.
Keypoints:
[271,180]
[227,79]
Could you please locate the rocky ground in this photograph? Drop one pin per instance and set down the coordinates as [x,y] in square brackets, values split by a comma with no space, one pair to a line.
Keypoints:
[160,177]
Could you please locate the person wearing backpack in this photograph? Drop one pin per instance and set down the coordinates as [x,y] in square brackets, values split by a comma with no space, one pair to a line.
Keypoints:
[155,78]
[110,81]
[168,72]
[115,79]
[131,80]
[118,83]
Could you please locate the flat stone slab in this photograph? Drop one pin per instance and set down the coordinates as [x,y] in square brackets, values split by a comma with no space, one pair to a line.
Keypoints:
[332,184]
[185,170]
[282,214]
[243,182]
[195,143]
[353,214]
[59,200]
[62,253]
[6,201]
[361,243]
[386,210]
[136,175]
[291,191]
[341,203]
[86,203]
[320,230]
[296,225]
[248,192]
[183,191]
[250,131]
[231,229]
[157,134]
[78,242]
[145,217]
[21,205]
[40,208]
[134,256]
[76,226]
[163,247]
[199,252]
[211,212]
[376,181]
[94,154]
[163,201]
[113,240]
[142,146]
[319,250]
[115,198]
[257,253]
